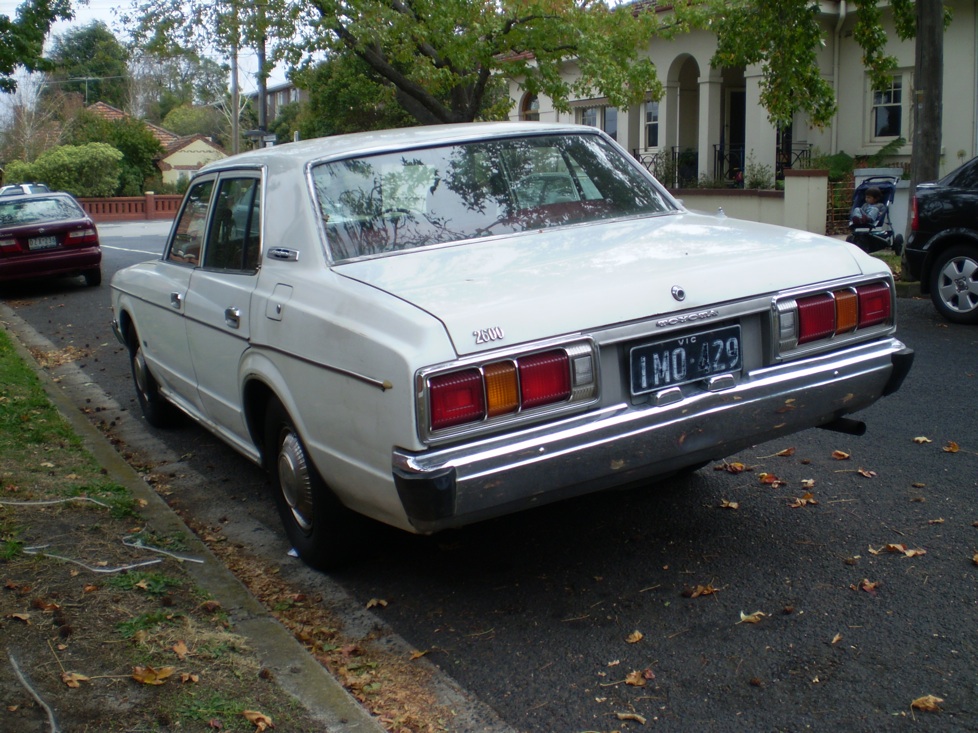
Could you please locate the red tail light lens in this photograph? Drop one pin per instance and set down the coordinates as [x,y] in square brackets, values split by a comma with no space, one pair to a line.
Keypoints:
[457,398]
[82,236]
[816,318]
[544,378]
[874,304]
[915,216]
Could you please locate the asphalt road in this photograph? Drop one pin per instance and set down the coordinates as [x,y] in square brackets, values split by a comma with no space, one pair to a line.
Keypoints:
[535,615]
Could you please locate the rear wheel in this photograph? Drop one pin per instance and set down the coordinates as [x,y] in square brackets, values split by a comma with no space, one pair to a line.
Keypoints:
[158,412]
[93,278]
[320,528]
[954,284]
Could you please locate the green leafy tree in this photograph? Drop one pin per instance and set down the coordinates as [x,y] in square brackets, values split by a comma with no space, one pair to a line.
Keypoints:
[345,96]
[132,138]
[22,37]
[440,58]
[189,120]
[92,170]
[161,83]
[91,62]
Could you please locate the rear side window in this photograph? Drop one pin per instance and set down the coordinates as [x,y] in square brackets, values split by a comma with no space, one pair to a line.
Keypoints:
[233,242]
[964,177]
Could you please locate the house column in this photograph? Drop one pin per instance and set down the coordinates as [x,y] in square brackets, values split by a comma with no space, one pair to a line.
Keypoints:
[710,124]
[669,118]
[761,138]
[630,128]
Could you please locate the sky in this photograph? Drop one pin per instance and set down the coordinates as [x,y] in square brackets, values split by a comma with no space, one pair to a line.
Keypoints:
[104,10]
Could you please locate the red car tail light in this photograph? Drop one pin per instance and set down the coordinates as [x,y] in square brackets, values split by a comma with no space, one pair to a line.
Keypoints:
[544,378]
[9,246]
[816,318]
[915,215]
[457,398]
[82,236]
[874,304]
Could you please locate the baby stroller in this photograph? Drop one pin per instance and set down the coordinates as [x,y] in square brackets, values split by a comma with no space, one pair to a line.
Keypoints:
[870,228]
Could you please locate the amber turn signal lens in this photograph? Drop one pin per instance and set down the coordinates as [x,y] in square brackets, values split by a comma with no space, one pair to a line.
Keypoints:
[502,388]
[846,311]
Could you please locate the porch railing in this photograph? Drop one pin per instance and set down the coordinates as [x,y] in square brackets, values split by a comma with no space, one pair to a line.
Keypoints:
[674,168]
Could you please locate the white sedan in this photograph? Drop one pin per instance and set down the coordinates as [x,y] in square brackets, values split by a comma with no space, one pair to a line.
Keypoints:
[433,326]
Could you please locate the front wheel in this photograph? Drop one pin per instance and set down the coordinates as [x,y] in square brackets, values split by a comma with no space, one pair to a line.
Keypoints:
[322,531]
[954,284]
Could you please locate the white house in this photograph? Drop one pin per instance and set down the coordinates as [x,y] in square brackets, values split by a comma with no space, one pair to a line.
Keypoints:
[710,119]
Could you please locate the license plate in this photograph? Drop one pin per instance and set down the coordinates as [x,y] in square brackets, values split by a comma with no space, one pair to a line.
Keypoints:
[42,243]
[685,359]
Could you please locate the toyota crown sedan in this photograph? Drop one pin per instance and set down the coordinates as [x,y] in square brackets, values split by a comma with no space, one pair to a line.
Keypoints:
[434,326]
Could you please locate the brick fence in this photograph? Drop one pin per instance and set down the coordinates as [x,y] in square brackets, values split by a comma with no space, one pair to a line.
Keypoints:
[133,208]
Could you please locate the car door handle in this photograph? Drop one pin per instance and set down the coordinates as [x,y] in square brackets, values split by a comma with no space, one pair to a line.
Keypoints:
[176,300]
[232,317]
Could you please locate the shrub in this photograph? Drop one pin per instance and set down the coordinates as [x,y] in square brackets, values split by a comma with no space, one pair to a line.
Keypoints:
[81,170]
[18,171]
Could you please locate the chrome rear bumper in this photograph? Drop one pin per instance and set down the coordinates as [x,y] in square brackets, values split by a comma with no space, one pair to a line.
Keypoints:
[456,485]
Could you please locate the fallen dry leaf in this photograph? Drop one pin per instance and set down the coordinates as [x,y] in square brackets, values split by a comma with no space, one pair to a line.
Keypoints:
[416,654]
[951,447]
[787,452]
[927,703]
[25,617]
[840,455]
[866,585]
[939,520]
[635,637]
[836,639]
[732,467]
[635,678]
[865,473]
[921,439]
[700,590]
[770,479]
[189,677]
[375,602]
[73,679]
[806,500]
[260,720]
[751,618]
[975,559]
[181,650]
[150,675]
[808,483]
[724,504]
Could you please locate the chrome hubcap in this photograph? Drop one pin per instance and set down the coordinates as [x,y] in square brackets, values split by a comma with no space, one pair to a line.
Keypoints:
[958,284]
[139,371]
[295,481]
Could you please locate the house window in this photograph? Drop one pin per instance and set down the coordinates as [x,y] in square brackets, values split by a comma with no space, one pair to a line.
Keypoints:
[530,108]
[651,124]
[888,109]
[604,118]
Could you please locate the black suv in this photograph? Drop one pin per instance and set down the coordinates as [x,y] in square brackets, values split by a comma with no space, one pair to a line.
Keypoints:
[942,249]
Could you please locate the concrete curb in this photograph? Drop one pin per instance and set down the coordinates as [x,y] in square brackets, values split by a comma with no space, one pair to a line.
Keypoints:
[295,671]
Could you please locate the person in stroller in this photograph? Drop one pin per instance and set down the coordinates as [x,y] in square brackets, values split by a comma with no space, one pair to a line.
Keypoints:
[869,219]
[871,212]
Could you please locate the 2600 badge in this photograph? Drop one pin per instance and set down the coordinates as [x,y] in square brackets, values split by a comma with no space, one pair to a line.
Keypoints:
[685,359]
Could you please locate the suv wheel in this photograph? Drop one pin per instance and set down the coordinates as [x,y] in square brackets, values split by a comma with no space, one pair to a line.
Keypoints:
[954,284]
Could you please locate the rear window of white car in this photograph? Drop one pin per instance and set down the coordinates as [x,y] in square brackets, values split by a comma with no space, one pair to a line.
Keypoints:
[397,201]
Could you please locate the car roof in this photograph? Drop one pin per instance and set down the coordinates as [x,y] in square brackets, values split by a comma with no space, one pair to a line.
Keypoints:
[298,154]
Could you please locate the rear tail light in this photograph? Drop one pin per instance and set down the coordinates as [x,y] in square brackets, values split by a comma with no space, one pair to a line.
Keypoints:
[511,386]
[825,316]
[82,236]
[9,246]
[915,215]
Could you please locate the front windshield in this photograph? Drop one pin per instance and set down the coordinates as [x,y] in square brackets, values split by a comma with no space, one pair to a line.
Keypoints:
[398,201]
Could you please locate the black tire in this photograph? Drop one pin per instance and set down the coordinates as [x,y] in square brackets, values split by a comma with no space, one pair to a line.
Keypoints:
[954,284]
[93,278]
[322,531]
[158,412]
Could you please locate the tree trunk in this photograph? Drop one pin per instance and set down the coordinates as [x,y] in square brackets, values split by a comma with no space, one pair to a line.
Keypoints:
[928,92]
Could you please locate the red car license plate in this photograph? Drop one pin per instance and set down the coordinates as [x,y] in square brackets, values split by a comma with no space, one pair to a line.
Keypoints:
[42,243]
